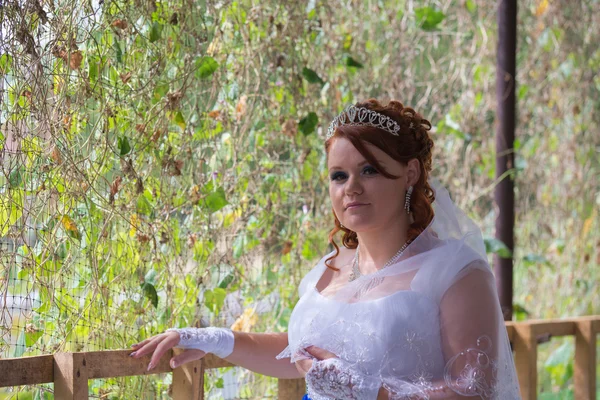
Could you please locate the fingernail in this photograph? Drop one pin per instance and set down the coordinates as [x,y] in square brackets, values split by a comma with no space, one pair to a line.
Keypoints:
[173,364]
[132,354]
[150,366]
[133,345]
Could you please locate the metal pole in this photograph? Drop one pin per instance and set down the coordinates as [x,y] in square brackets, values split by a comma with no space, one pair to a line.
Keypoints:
[505,137]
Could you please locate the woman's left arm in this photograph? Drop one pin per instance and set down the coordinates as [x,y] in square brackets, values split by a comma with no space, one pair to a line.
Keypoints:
[478,360]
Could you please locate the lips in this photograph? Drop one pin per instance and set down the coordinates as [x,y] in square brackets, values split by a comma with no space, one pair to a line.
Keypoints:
[354,204]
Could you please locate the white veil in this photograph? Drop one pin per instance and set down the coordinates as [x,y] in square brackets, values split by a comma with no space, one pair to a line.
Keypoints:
[456,347]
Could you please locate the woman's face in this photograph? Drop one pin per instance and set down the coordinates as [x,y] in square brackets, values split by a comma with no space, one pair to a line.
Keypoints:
[363,199]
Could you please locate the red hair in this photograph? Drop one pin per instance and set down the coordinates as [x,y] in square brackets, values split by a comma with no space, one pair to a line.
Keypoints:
[412,142]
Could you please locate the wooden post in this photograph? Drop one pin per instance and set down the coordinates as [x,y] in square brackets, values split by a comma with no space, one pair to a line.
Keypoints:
[70,376]
[504,193]
[525,346]
[584,373]
[188,380]
[291,389]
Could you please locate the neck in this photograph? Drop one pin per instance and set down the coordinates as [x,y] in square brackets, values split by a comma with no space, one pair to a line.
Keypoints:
[377,247]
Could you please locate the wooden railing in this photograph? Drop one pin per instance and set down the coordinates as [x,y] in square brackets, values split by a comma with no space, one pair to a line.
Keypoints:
[70,372]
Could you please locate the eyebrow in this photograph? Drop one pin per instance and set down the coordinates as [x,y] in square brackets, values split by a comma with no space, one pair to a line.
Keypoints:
[358,165]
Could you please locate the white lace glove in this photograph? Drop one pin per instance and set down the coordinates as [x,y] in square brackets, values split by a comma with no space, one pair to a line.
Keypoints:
[333,378]
[218,341]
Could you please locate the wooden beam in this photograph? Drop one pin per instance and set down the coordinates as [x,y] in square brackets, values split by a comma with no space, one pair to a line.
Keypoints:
[26,370]
[70,376]
[553,327]
[188,380]
[211,361]
[584,373]
[291,389]
[525,347]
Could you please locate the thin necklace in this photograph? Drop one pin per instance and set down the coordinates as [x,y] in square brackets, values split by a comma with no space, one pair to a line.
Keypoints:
[356,272]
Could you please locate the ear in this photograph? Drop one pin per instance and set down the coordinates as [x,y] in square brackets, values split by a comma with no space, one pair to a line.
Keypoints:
[413,172]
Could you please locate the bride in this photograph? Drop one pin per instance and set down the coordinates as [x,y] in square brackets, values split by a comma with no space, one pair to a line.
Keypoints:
[406,308]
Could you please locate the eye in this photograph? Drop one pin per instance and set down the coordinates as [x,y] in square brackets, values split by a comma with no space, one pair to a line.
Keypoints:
[338,176]
[368,170]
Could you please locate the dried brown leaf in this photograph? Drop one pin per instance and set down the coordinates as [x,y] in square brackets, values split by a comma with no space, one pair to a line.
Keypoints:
[125,77]
[120,23]
[75,59]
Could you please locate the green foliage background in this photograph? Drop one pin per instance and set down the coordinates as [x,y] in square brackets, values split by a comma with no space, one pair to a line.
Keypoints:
[158,156]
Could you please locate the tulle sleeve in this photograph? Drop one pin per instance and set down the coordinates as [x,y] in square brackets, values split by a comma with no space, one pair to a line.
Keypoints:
[475,360]
[474,343]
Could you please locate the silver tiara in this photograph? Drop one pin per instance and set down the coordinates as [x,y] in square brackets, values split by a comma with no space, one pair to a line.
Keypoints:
[363,116]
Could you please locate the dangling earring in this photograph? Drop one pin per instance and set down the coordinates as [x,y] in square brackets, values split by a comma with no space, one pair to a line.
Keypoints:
[407,199]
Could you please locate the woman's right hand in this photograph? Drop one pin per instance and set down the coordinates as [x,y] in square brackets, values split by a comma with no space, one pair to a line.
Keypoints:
[158,345]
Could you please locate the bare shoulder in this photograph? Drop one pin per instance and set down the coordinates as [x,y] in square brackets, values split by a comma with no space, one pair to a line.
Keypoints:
[343,259]
[332,280]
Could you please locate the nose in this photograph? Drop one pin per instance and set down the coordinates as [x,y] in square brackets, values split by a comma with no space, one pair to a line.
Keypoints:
[353,185]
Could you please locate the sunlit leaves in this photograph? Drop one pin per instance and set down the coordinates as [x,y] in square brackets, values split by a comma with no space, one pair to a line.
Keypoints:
[429,18]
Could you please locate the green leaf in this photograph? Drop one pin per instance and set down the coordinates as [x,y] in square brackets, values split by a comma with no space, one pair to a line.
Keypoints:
[205,67]
[5,63]
[533,259]
[429,18]
[20,347]
[32,337]
[311,76]
[219,296]
[124,147]
[15,179]
[160,91]
[308,124]
[150,277]
[118,51]
[11,209]
[471,6]
[561,356]
[226,281]
[351,62]
[143,206]
[93,70]
[238,245]
[219,383]
[520,312]
[216,200]
[155,31]
[178,119]
[214,299]
[493,245]
[150,293]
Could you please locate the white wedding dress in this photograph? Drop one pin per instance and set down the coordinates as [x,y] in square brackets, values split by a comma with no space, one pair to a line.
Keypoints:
[426,327]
